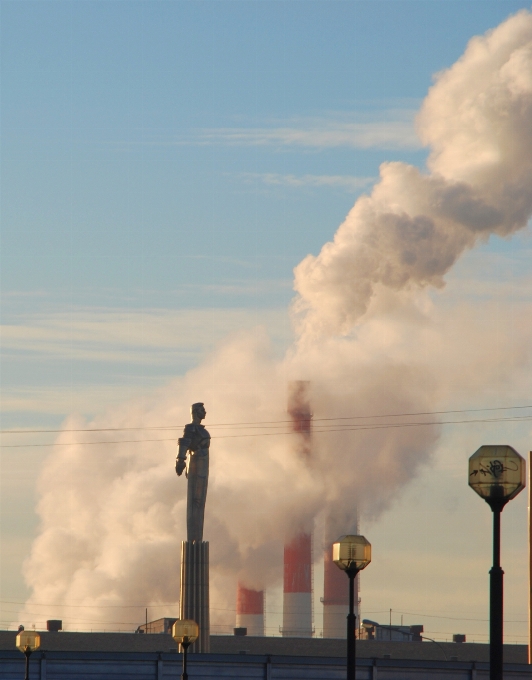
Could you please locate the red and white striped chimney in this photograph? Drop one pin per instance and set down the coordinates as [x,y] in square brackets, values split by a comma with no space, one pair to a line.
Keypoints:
[336,589]
[297,595]
[250,610]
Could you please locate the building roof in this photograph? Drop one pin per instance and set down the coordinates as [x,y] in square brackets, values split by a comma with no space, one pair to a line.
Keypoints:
[366,649]
[96,642]
[275,646]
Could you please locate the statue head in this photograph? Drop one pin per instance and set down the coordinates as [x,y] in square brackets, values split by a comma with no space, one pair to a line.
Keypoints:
[198,411]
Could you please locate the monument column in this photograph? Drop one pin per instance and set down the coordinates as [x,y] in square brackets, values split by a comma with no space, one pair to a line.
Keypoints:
[194,599]
[194,603]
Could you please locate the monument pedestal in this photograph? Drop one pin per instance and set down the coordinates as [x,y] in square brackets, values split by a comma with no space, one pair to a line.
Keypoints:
[194,602]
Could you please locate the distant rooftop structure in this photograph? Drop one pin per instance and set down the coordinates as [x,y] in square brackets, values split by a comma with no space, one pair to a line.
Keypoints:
[371,630]
[158,626]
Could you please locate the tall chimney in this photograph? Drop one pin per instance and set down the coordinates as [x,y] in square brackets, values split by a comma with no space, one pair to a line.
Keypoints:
[250,610]
[297,595]
[336,588]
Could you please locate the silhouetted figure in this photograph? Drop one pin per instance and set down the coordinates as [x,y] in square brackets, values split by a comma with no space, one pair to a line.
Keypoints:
[195,441]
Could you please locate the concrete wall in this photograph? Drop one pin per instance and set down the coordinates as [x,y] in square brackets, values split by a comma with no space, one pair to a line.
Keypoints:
[137,666]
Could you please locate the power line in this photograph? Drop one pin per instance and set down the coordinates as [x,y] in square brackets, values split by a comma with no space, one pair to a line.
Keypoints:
[94,429]
[122,441]
[453,618]
[227,609]
[268,422]
[316,430]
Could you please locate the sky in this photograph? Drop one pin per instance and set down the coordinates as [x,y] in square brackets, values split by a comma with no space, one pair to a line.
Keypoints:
[165,166]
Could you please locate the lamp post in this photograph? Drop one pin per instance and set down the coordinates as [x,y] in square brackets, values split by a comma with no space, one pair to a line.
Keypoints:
[351,554]
[185,632]
[28,641]
[497,474]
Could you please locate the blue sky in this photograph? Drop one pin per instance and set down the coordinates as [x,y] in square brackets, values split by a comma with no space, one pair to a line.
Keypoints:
[189,154]
[167,164]
[118,160]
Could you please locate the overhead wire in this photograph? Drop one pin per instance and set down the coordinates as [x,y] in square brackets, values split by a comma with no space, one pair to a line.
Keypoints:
[76,621]
[320,425]
[259,423]
[315,430]
[229,609]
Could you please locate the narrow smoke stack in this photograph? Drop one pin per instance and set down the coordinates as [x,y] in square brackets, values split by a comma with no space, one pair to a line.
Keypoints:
[335,598]
[250,610]
[297,595]
[300,415]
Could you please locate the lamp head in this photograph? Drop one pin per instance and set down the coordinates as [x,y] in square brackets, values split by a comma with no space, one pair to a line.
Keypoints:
[28,641]
[185,631]
[497,473]
[351,552]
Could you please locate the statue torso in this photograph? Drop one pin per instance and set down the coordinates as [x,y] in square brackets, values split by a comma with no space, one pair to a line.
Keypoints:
[200,439]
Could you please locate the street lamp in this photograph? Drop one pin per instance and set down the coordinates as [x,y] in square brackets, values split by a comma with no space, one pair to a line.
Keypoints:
[351,554]
[185,632]
[497,474]
[28,641]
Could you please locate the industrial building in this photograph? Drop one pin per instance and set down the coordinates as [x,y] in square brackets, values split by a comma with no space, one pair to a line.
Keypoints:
[371,630]
[155,657]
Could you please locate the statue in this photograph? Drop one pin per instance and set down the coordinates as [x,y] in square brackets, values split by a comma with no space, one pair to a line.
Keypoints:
[195,441]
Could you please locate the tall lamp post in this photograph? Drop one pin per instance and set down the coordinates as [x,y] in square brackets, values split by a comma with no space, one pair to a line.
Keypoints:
[28,641]
[497,474]
[351,554]
[185,632]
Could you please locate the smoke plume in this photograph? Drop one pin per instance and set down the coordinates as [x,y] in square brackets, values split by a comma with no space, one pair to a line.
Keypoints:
[412,228]
[369,340]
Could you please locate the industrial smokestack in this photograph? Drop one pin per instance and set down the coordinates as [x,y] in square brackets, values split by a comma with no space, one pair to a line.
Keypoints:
[250,610]
[297,596]
[297,593]
[300,415]
[336,588]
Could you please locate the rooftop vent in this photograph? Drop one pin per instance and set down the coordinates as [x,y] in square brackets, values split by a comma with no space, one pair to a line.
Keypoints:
[54,625]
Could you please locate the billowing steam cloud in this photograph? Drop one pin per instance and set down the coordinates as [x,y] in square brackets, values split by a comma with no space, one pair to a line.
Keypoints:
[476,120]
[113,518]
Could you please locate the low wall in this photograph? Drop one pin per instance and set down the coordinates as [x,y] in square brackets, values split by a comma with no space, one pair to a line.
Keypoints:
[153,666]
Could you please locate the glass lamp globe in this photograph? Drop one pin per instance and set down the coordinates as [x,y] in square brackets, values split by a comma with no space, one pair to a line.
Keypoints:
[497,473]
[351,552]
[185,631]
[28,641]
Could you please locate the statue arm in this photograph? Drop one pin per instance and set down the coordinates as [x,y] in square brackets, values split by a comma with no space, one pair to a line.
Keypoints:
[183,445]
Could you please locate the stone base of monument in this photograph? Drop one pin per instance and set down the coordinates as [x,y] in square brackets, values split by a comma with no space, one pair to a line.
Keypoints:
[194,602]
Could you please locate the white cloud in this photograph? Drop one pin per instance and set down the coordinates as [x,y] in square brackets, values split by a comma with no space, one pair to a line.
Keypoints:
[121,335]
[166,340]
[60,399]
[392,130]
[347,182]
